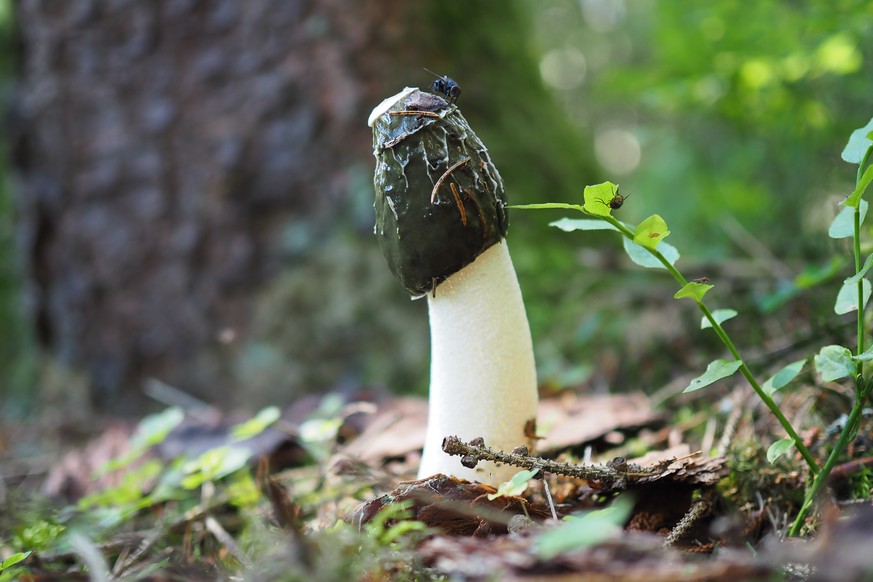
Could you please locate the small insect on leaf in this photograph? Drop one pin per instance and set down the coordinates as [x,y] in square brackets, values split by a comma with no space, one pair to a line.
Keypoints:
[598,198]
[693,290]
[515,486]
[651,231]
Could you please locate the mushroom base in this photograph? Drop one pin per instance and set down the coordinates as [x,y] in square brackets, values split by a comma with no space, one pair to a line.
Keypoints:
[483,377]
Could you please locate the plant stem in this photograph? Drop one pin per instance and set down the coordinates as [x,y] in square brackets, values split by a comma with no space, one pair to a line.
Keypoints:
[862,388]
[726,340]
[822,477]
[857,234]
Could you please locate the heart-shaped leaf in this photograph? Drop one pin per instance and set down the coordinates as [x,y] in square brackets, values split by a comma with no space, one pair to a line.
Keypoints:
[571,224]
[651,231]
[644,258]
[598,197]
[834,362]
[715,371]
[847,298]
[781,378]
[843,225]
[859,143]
[778,449]
[693,290]
[719,315]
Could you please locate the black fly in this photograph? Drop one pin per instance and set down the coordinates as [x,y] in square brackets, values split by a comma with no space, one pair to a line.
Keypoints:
[445,86]
[617,201]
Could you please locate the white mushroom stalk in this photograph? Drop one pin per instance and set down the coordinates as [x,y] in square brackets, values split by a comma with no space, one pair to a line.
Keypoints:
[482,375]
[441,222]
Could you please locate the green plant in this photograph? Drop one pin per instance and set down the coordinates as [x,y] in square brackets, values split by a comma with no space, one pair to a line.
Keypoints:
[9,569]
[645,246]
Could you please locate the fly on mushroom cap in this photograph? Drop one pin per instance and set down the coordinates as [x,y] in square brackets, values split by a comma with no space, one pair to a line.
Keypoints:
[439,198]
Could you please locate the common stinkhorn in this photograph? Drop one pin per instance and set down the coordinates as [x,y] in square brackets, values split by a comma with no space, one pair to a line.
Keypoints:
[441,222]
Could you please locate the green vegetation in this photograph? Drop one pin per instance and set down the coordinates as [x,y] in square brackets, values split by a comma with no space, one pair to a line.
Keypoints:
[833,362]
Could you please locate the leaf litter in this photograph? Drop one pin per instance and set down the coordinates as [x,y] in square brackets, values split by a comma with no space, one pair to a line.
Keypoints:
[677,498]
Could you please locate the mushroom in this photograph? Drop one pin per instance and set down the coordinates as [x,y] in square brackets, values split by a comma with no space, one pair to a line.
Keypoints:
[441,222]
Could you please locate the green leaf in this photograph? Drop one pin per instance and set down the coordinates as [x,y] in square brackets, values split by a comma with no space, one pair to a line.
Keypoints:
[847,298]
[865,357]
[693,290]
[834,362]
[214,464]
[153,429]
[862,185]
[644,258]
[571,224]
[258,424]
[598,197]
[584,531]
[843,225]
[813,275]
[859,143]
[715,371]
[781,378]
[651,231]
[515,486]
[857,276]
[720,316]
[548,206]
[778,449]
[14,559]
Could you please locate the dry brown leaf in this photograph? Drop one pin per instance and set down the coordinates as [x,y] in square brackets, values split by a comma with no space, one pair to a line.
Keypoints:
[573,420]
[455,506]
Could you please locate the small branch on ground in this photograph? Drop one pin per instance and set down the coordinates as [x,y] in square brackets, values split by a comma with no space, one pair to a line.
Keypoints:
[616,474]
[698,510]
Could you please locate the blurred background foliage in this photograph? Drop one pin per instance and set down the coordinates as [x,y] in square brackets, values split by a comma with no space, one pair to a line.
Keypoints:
[727,118]
[17,350]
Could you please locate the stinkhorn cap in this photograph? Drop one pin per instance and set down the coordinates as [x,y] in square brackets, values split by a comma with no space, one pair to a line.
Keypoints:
[439,198]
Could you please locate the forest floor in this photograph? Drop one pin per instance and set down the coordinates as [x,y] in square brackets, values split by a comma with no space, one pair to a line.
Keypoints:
[625,489]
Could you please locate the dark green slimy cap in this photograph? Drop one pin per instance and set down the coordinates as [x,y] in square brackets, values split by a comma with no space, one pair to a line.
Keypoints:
[419,141]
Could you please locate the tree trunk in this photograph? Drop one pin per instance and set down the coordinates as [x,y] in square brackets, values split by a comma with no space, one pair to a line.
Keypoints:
[162,147]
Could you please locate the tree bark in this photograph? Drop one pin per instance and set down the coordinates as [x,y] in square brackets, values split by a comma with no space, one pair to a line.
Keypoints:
[161,148]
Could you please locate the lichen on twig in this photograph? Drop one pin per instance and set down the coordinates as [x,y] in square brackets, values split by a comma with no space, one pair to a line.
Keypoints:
[616,474]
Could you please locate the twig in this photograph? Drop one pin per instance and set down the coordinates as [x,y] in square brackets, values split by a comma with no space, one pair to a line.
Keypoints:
[754,247]
[460,204]
[549,498]
[414,112]
[698,509]
[846,470]
[482,220]
[730,425]
[226,540]
[616,475]
[445,175]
